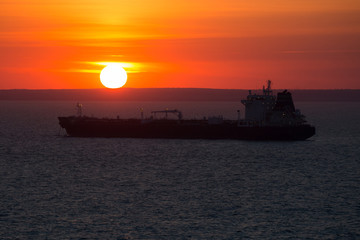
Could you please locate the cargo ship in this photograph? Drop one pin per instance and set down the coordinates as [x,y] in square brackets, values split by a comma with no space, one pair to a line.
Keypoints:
[267,117]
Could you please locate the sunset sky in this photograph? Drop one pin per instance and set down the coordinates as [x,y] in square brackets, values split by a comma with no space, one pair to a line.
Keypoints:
[228,44]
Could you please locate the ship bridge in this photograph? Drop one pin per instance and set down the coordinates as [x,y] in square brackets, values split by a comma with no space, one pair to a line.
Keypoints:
[257,106]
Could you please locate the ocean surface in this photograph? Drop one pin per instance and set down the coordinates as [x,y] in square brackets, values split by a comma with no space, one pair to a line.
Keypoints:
[58,187]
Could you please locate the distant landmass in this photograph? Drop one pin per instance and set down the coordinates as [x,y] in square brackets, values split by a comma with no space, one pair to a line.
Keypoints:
[168,94]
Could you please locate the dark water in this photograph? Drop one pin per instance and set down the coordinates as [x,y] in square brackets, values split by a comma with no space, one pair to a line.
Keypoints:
[55,187]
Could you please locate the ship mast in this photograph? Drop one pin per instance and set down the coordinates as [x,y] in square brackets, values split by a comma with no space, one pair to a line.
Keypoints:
[79,108]
[268,90]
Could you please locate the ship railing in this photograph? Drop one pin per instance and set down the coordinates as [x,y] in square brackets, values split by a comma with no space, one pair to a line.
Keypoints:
[247,123]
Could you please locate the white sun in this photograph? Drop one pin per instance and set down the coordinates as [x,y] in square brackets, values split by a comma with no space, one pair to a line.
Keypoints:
[113,76]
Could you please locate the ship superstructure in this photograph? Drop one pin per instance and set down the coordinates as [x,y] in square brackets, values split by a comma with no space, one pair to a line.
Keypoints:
[268,110]
[258,107]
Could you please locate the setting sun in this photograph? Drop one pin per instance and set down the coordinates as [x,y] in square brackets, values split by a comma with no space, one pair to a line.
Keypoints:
[113,76]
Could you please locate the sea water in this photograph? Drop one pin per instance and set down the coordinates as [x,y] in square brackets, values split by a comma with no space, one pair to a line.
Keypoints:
[58,187]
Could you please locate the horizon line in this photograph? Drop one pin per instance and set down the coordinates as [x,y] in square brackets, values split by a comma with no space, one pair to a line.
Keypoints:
[178,88]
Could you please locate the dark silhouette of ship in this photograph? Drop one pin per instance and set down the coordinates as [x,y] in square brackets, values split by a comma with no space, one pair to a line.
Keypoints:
[266,118]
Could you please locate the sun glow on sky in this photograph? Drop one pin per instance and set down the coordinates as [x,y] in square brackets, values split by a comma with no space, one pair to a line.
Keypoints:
[208,44]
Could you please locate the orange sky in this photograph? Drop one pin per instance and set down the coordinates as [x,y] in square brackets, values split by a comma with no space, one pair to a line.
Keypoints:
[199,44]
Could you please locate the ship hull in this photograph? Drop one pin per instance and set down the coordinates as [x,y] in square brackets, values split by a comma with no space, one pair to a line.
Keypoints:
[185,129]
